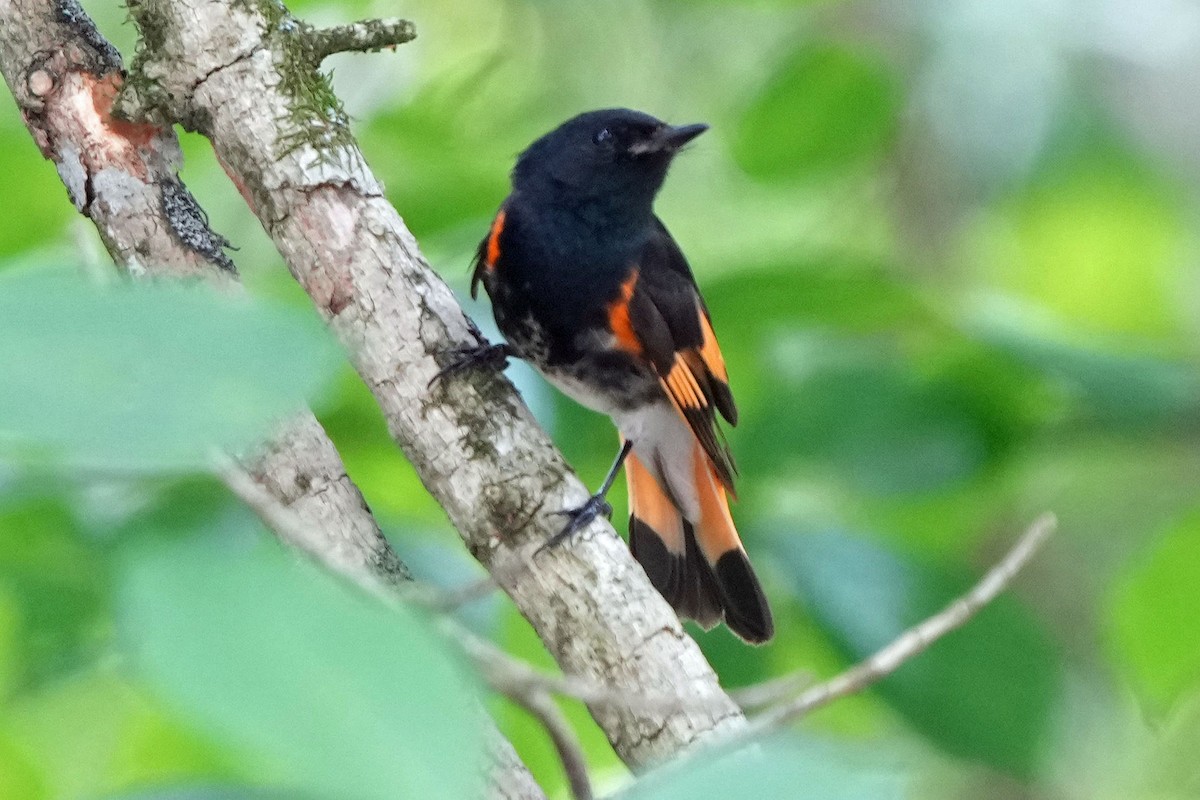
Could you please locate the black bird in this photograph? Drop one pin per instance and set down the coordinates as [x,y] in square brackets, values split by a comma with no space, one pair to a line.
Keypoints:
[588,286]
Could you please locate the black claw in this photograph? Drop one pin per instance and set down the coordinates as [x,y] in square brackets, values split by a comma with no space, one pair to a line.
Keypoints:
[596,506]
[493,356]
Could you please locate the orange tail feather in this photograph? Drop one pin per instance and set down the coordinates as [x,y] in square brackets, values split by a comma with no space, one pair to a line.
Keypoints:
[698,566]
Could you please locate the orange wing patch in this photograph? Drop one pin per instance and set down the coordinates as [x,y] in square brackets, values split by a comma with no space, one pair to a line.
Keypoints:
[697,386]
[618,318]
[710,351]
[492,253]
[690,379]
[682,386]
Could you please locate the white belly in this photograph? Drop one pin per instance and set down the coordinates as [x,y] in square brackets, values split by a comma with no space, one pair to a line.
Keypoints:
[662,441]
[581,393]
[665,445]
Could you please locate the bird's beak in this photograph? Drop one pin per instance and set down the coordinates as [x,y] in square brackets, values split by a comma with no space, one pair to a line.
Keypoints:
[669,139]
[676,136]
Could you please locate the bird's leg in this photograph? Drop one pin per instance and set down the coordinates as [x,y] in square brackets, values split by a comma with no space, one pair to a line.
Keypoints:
[494,356]
[595,506]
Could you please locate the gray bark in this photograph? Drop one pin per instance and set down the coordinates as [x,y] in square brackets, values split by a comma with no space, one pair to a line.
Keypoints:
[64,77]
[123,177]
[236,72]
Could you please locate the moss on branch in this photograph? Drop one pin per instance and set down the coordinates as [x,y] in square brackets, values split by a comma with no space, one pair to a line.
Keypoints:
[367,36]
[315,115]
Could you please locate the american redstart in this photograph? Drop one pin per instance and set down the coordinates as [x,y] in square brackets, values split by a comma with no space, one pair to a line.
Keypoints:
[589,287]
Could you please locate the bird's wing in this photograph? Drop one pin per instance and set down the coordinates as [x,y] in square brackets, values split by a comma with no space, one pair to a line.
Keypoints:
[660,316]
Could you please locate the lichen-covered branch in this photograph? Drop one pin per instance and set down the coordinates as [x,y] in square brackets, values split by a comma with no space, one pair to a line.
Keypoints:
[64,77]
[302,469]
[123,176]
[363,37]
[233,70]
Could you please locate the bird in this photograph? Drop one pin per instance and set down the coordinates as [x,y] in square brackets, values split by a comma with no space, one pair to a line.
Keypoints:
[589,287]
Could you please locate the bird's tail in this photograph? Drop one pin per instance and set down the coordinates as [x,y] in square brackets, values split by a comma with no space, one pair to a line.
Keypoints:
[699,566]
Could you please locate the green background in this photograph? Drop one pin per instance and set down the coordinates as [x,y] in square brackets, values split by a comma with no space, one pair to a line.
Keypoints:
[950,253]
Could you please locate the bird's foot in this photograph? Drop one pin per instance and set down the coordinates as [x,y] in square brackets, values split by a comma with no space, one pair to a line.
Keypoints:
[493,356]
[596,506]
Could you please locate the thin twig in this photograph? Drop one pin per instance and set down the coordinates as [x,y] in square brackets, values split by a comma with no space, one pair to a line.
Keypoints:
[532,689]
[507,675]
[514,678]
[769,692]
[913,641]
[570,752]
[451,600]
[364,37]
[518,680]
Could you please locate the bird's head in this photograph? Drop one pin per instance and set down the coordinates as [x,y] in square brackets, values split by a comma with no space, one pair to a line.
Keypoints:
[614,153]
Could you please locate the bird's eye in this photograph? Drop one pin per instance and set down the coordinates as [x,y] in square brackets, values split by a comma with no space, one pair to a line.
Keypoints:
[601,136]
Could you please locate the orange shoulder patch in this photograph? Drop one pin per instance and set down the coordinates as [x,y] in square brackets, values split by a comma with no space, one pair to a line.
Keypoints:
[618,317]
[492,254]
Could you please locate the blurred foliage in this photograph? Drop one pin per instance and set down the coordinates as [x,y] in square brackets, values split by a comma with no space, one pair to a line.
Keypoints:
[802,111]
[949,249]
[176,357]
[798,769]
[1153,608]
[1003,649]
[339,695]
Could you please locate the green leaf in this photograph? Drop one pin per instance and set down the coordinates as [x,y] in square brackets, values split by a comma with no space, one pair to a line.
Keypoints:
[1155,607]
[826,108]
[794,768]
[53,594]
[336,694]
[984,692]
[147,377]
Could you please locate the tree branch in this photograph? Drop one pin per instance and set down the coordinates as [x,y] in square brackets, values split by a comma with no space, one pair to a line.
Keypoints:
[510,778]
[364,37]
[123,176]
[64,77]
[913,641]
[566,743]
[221,67]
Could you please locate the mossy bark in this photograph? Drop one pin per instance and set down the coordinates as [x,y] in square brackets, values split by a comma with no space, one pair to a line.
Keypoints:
[222,65]
[122,174]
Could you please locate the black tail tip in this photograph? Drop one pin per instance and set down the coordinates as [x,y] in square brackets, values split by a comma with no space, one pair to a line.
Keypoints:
[703,592]
[684,580]
[746,611]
